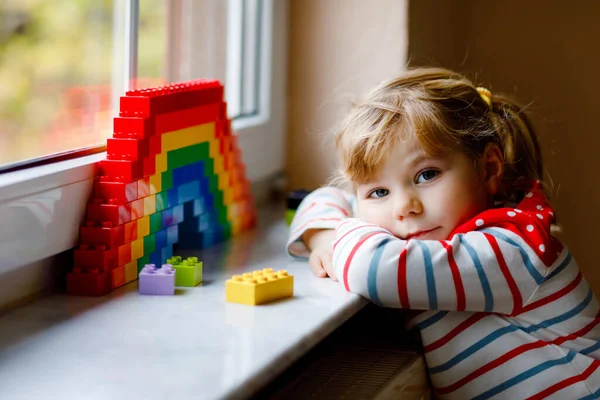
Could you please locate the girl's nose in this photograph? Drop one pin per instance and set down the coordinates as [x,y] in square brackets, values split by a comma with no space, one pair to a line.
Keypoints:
[408,205]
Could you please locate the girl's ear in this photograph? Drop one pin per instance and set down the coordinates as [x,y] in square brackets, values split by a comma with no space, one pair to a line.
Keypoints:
[492,162]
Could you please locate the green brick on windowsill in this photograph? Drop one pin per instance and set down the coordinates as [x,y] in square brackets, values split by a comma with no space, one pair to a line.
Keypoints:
[187,272]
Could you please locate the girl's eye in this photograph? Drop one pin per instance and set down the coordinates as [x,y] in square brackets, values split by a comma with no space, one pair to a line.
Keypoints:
[378,193]
[427,175]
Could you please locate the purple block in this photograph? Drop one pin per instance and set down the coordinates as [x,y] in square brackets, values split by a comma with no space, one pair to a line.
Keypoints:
[157,281]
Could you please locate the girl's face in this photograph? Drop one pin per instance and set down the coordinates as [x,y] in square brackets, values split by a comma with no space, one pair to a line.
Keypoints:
[423,197]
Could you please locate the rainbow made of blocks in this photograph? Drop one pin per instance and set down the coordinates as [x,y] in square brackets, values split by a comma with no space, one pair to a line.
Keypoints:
[173,174]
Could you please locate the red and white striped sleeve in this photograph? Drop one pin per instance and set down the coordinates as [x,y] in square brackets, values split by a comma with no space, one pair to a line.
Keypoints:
[324,208]
[485,268]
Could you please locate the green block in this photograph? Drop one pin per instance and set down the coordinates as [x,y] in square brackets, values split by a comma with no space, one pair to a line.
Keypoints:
[166,180]
[141,262]
[209,167]
[226,230]
[155,222]
[150,243]
[187,155]
[213,183]
[175,260]
[187,272]
[161,201]
[289,216]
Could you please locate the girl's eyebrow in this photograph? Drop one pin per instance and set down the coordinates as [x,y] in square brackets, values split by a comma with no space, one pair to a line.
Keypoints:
[420,158]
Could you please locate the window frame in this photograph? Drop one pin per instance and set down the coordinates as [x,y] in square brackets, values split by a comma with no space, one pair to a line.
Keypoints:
[73,178]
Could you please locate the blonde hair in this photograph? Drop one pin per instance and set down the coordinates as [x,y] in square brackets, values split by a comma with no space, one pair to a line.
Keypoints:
[443,111]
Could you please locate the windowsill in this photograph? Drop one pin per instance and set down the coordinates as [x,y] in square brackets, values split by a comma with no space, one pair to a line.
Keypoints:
[140,344]
[28,181]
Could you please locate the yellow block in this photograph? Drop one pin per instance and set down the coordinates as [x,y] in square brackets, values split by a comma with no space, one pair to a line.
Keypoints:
[149,205]
[258,287]
[143,227]
[131,271]
[137,248]
[236,227]
[156,182]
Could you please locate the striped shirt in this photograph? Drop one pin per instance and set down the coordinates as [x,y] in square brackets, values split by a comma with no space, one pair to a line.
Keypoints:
[507,311]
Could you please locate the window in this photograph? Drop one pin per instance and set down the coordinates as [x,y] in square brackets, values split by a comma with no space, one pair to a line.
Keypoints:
[64,64]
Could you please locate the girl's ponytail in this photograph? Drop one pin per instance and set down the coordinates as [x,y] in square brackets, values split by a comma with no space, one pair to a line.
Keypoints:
[518,142]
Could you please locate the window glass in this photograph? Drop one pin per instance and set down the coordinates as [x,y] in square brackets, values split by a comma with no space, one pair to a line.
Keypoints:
[55,71]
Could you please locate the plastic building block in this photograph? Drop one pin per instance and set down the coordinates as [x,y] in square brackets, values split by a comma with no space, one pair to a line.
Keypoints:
[91,282]
[259,287]
[292,203]
[173,174]
[189,271]
[157,281]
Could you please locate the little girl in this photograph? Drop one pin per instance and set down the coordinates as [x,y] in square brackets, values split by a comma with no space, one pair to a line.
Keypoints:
[448,183]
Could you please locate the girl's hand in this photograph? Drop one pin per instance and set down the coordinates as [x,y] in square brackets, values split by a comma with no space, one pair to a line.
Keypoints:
[318,242]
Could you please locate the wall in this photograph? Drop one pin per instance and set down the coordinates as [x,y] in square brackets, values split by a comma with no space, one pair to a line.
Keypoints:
[337,50]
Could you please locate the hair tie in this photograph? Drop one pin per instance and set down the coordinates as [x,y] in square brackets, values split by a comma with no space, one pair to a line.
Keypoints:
[486,96]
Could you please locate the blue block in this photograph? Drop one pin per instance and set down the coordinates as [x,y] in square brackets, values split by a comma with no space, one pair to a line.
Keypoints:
[161,239]
[209,202]
[188,191]
[155,258]
[178,214]
[166,253]
[167,217]
[188,173]
[204,185]
[172,234]
[199,206]
[172,197]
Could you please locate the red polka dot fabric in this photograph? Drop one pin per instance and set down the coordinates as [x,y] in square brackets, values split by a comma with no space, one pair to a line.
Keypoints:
[531,219]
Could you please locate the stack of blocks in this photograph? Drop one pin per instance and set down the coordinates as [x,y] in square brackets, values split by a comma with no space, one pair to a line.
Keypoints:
[173,174]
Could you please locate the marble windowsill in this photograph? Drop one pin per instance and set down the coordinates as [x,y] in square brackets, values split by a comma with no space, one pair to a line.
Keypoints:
[191,345]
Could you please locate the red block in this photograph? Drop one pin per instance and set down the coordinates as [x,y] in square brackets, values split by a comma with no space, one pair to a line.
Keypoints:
[187,117]
[88,283]
[121,192]
[225,144]
[130,231]
[223,111]
[155,145]
[116,214]
[137,209]
[127,170]
[149,167]
[98,258]
[133,127]
[143,187]
[129,149]
[148,102]
[111,237]
[124,254]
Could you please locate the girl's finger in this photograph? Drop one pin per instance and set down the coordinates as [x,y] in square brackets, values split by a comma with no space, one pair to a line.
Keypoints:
[315,266]
[328,265]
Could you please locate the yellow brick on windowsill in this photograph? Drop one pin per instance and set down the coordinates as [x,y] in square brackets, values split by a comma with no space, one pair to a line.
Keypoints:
[259,287]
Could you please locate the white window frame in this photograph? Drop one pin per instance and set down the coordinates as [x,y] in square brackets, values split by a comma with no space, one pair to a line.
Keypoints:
[62,189]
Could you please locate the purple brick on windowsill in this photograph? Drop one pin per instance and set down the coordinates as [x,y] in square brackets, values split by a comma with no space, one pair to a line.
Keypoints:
[157,281]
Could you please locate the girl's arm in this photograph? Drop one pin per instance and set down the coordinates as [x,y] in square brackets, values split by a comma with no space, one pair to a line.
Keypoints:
[322,209]
[494,269]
